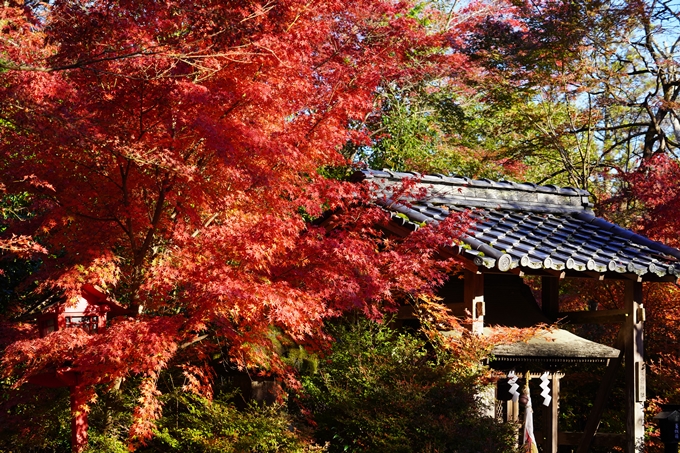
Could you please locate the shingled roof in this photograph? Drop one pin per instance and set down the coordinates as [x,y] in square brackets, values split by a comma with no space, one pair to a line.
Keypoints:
[525,226]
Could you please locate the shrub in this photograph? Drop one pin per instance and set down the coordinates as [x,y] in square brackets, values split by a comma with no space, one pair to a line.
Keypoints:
[383,391]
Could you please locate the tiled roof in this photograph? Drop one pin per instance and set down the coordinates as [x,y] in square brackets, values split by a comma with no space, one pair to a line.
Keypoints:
[524,225]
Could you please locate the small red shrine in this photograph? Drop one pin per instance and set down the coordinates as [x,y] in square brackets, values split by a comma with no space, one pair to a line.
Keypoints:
[91,313]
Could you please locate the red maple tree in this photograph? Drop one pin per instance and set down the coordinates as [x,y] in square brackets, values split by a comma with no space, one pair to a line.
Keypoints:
[170,151]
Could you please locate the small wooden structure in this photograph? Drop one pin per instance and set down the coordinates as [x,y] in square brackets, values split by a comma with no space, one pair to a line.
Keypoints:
[546,231]
[91,313]
[88,314]
[551,350]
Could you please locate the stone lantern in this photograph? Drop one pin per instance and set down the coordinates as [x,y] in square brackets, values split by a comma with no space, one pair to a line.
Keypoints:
[669,426]
[91,313]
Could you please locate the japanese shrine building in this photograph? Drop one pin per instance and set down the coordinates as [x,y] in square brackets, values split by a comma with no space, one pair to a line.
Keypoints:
[547,231]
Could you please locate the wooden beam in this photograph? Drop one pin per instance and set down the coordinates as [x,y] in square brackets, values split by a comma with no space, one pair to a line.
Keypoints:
[657,279]
[635,367]
[570,273]
[555,274]
[522,375]
[473,297]
[447,252]
[633,277]
[516,271]
[550,297]
[609,275]
[602,396]
[594,317]
[648,277]
[470,266]
[457,309]
[542,272]
[584,274]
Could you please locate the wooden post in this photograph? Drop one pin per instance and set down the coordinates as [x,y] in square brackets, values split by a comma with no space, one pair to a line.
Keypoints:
[550,428]
[79,423]
[603,392]
[550,297]
[635,367]
[512,411]
[474,299]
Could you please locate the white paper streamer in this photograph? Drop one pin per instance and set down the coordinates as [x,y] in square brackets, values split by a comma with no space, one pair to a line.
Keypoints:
[545,385]
[512,380]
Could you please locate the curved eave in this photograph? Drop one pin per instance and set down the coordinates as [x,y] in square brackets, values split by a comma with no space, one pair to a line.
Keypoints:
[502,251]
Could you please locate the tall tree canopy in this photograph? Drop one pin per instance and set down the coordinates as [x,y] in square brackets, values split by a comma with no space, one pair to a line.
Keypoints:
[559,92]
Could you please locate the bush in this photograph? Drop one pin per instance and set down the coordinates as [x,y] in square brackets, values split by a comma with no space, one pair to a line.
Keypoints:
[381,391]
[192,424]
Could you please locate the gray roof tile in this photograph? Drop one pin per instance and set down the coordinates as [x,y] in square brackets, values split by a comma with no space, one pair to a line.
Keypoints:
[535,227]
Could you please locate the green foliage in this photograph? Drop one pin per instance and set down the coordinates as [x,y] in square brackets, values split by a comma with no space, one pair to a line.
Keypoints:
[194,424]
[406,138]
[14,207]
[101,443]
[190,423]
[380,391]
[110,418]
[14,270]
[437,127]
[303,361]
[34,420]
[337,172]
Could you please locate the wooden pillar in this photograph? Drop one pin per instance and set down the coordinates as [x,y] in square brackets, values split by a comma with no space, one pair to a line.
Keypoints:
[79,423]
[551,412]
[550,305]
[550,294]
[603,393]
[635,367]
[474,299]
